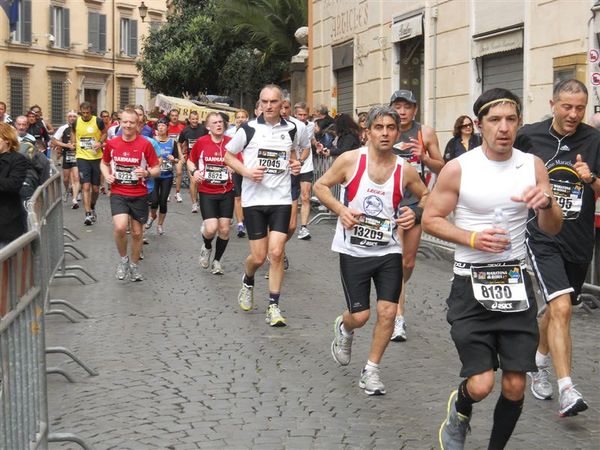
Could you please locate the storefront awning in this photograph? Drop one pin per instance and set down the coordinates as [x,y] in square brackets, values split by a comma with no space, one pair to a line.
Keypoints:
[407,28]
[501,41]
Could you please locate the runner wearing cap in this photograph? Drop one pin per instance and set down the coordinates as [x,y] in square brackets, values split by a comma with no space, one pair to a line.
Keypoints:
[418,144]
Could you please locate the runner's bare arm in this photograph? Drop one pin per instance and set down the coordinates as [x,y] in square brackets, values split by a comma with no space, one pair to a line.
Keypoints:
[338,173]
[105,169]
[433,157]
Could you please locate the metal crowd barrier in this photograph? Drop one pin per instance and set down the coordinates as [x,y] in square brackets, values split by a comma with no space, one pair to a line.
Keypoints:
[23,399]
[321,164]
[27,266]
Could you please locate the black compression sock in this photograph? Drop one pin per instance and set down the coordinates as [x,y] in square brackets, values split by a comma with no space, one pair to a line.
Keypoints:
[207,243]
[220,248]
[274,298]
[464,402]
[506,415]
[248,281]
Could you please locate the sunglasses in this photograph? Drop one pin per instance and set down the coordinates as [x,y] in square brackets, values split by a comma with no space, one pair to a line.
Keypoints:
[468,125]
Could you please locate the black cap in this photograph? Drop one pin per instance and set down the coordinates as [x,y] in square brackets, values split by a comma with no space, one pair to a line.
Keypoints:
[405,95]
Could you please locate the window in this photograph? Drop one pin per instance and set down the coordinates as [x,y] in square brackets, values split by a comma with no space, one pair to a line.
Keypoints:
[59,27]
[129,37]
[19,87]
[57,99]
[96,32]
[125,91]
[155,25]
[21,29]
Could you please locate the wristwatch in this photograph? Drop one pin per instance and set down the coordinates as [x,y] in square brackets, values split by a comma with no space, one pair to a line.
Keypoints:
[593,178]
[549,204]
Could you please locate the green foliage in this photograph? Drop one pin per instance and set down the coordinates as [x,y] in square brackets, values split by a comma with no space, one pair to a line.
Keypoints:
[208,46]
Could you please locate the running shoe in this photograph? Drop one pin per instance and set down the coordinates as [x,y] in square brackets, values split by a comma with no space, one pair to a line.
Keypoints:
[304,234]
[79,197]
[145,241]
[571,402]
[286,262]
[141,256]
[370,381]
[274,317]
[541,388]
[122,269]
[399,334]
[246,297]
[216,268]
[168,198]
[341,347]
[89,220]
[160,230]
[454,428]
[134,273]
[74,205]
[195,208]
[149,223]
[178,197]
[241,230]
[204,257]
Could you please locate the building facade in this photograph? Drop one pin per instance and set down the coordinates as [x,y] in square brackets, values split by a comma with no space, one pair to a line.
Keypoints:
[59,53]
[448,53]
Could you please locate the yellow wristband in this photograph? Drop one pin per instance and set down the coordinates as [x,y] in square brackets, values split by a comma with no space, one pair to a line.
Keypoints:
[472,241]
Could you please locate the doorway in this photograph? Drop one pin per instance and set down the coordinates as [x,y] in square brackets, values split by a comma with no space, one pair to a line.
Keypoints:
[91,96]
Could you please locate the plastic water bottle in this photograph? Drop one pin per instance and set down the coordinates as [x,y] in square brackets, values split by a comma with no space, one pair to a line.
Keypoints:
[501,221]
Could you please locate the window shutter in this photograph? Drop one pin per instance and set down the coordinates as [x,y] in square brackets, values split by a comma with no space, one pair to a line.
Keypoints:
[93,43]
[52,32]
[133,38]
[66,37]
[102,33]
[27,21]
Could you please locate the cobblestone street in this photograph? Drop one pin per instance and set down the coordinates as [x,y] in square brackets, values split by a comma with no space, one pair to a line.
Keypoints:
[182,367]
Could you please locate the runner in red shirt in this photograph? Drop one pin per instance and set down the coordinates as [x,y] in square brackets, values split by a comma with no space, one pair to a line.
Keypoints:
[127,161]
[215,189]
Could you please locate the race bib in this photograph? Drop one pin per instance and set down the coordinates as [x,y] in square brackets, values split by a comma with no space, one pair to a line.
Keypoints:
[87,143]
[70,156]
[276,161]
[191,143]
[500,287]
[214,174]
[371,231]
[569,197]
[126,174]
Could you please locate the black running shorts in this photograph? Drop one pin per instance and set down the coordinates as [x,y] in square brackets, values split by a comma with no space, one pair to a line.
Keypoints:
[237,184]
[554,274]
[89,171]
[261,219]
[295,187]
[490,339]
[216,206]
[136,207]
[357,273]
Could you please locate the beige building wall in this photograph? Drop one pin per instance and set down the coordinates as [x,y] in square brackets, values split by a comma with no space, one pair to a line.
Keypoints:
[458,35]
[106,75]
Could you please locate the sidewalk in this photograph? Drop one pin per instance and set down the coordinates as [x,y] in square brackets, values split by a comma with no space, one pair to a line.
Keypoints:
[182,367]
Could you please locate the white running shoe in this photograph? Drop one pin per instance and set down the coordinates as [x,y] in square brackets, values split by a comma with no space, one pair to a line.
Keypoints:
[304,234]
[134,273]
[370,381]
[195,208]
[274,317]
[216,268]
[178,197]
[341,347]
[541,388]
[399,334]
[571,402]
[246,297]
[122,269]
[204,257]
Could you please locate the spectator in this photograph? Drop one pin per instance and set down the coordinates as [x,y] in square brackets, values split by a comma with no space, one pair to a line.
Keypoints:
[13,169]
[346,137]
[362,124]
[37,129]
[463,138]
[4,117]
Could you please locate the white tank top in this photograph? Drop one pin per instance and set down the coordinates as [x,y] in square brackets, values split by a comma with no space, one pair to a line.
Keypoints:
[484,186]
[376,234]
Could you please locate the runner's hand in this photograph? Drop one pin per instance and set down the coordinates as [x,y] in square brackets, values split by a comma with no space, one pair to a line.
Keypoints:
[417,149]
[199,175]
[406,219]
[295,167]
[487,240]
[256,174]
[533,196]
[583,170]
[349,217]
[141,172]
[110,178]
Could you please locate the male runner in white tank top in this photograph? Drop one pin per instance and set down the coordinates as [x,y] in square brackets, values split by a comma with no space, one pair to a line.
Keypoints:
[491,307]
[374,180]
